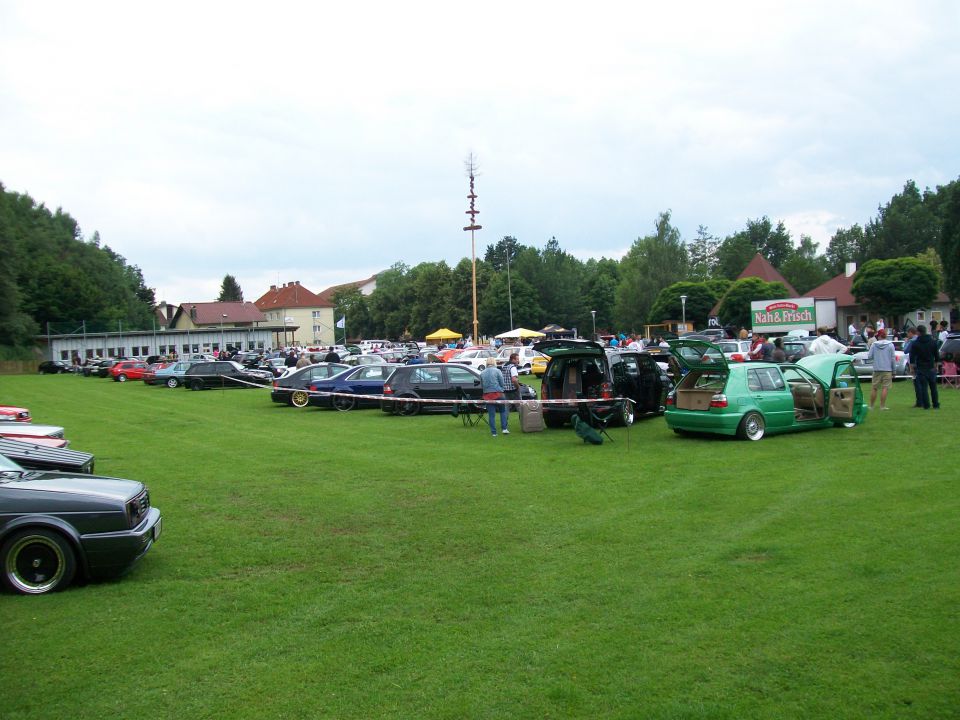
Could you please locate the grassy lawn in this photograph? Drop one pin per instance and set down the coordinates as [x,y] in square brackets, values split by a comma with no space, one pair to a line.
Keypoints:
[356,565]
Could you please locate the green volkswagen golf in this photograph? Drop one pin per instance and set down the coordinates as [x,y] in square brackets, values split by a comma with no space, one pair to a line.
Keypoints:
[753,399]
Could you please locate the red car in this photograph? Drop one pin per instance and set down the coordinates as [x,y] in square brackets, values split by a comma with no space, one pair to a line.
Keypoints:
[150,375]
[9,413]
[128,370]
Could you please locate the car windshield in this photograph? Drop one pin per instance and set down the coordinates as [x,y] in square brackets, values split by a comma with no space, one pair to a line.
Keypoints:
[7,465]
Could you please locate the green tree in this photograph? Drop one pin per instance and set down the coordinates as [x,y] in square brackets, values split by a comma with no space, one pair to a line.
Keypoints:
[906,225]
[494,310]
[735,306]
[351,304]
[895,287]
[846,246]
[804,269]
[949,245]
[653,263]
[733,256]
[703,255]
[230,290]
[700,300]
[599,293]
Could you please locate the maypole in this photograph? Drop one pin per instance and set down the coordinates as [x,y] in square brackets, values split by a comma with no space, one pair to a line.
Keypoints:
[472,227]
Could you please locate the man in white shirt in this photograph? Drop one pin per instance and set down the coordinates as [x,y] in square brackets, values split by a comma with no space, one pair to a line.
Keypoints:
[852,331]
[825,345]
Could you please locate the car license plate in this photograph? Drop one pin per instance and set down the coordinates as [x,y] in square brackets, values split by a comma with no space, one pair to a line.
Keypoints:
[156,530]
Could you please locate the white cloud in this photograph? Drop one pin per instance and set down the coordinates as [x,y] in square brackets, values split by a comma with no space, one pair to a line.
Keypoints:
[320,141]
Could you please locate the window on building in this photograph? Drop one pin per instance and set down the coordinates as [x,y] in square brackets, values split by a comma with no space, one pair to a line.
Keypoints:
[64,355]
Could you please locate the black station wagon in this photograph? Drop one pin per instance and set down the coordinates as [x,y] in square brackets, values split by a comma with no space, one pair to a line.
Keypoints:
[585,370]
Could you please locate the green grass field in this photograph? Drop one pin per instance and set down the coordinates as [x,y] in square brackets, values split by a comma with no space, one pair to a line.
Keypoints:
[317,564]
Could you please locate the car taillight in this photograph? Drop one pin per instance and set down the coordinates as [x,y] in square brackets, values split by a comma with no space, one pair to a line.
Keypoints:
[738,357]
[719,400]
[671,400]
[276,385]
[387,390]
[606,391]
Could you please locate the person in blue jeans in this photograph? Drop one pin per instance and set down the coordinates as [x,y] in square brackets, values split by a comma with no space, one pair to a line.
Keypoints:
[491,380]
[924,358]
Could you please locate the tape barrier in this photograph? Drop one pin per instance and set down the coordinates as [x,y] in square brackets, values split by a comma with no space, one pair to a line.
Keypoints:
[440,401]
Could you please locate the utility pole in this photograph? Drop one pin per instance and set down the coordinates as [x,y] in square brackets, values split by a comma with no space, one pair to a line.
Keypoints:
[471,164]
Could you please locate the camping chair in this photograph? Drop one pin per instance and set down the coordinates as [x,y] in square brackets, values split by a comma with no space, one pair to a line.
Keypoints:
[599,417]
[470,413]
[949,375]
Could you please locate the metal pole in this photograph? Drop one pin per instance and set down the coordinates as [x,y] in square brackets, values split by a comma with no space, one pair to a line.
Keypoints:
[509,291]
[593,314]
[683,303]
[473,212]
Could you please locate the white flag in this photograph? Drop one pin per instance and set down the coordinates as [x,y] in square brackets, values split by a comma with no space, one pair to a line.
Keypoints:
[342,322]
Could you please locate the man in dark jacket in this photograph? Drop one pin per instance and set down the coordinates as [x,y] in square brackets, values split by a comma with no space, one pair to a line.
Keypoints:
[924,358]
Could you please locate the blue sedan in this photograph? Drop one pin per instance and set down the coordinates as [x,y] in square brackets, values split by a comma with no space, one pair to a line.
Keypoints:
[363,380]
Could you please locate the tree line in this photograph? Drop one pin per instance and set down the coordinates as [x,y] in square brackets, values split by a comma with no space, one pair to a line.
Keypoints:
[920,231]
[50,273]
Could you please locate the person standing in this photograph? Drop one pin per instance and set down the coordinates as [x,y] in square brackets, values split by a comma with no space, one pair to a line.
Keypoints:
[779,354]
[852,332]
[825,345]
[924,357]
[911,339]
[881,354]
[491,380]
[511,379]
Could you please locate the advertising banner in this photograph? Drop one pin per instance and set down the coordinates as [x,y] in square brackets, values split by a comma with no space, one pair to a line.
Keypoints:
[781,316]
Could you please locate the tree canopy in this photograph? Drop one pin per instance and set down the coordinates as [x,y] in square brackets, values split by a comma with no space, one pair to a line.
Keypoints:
[230,290]
[896,286]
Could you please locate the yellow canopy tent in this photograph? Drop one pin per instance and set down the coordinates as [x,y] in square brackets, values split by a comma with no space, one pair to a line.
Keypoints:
[521,333]
[443,334]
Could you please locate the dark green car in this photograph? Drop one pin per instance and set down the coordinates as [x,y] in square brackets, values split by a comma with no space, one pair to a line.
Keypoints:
[55,526]
[753,399]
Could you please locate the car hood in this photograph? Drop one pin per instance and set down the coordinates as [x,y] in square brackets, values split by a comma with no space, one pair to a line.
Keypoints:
[69,483]
[568,346]
[31,430]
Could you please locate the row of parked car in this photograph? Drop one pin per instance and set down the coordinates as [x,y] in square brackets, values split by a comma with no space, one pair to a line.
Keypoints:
[58,521]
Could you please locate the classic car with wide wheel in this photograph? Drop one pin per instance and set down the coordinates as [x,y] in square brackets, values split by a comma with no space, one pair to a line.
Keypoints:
[754,399]
[55,526]
[292,389]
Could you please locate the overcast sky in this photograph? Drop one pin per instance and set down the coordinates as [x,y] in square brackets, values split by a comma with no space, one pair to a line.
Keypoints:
[323,142]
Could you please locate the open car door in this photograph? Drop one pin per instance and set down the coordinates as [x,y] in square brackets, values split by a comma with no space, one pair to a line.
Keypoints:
[846,397]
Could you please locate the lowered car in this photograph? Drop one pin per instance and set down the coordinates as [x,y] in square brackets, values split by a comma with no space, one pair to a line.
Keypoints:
[429,387]
[475,357]
[128,370]
[170,375]
[358,383]
[224,374]
[29,430]
[586,370]
[864,365]
[751,400]
[55,526]
[526,357]
[54,367]
[11,413]
[292,389]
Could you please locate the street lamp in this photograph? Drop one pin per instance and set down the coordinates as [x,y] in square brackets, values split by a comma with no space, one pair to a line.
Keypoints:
[683,303]
[593,314]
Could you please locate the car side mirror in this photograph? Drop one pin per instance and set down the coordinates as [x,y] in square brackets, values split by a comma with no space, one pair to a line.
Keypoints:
[476,382]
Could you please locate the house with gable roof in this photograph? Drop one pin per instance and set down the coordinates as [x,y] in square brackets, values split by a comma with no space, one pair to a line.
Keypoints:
[840,289]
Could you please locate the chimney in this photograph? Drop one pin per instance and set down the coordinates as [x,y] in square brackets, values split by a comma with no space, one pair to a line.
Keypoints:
[273,288]
[850,270]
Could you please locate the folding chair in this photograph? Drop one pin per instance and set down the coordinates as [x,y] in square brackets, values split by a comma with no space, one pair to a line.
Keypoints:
[599,417]
[949,375]
[470,413]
